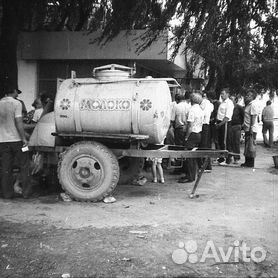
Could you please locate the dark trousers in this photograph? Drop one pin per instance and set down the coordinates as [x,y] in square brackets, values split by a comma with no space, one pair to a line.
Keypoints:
[250,149]
[206,137]
[221,137]
[268,127]
[221,140]
[205,143]
[193,141]
[214,137]
[235,140]
[170,137]
[11,156]
[179,136]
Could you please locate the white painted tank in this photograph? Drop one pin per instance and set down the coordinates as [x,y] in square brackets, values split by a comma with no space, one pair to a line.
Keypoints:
[114,105]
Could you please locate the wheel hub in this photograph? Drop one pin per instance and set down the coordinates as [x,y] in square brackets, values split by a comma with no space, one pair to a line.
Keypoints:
[86,172]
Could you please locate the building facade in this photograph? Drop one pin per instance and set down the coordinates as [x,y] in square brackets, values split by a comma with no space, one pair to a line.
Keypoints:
[45,57]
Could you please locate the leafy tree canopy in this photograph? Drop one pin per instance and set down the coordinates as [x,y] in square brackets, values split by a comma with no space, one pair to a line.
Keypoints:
[237,39]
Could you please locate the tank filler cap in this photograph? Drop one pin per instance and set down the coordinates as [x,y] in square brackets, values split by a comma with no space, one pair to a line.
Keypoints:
[113,72]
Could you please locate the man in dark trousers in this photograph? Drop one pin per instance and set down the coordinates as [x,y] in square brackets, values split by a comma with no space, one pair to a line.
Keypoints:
[12,140]
[223,124]
[178,118]
[193,136]
[267,118]
[236,124]
[213,118]
[207,108]
[250,128]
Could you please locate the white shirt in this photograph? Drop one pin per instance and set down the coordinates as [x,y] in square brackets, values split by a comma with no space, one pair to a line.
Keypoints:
[207,107]
[250,110]
[173,104]
[10,109]
[225,109]
[180,112]
[196,118]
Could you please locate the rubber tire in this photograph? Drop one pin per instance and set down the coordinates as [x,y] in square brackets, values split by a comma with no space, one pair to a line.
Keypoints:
[109,165]
[130,168]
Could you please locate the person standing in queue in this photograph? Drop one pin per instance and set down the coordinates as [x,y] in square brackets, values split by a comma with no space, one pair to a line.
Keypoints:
[178,118]
[193,136]
[223,124]
[236,124]
[12,140]
[250,128]
[268,126]
[179,122]
[211,95]
[207,108]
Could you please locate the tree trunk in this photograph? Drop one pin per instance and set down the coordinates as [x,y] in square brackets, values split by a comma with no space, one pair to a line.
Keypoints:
[8,46]
[220,82]
[212,77]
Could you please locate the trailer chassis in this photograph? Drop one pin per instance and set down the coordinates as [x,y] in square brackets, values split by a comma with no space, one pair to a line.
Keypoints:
[159,151]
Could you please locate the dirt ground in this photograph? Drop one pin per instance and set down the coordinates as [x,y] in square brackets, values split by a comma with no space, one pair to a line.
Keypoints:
[153,230]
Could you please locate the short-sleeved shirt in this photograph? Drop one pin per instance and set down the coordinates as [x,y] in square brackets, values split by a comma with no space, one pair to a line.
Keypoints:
[251,110]
[225,109]
[196,118]
[207,107]
[179,115]
[268,114]
[10,109]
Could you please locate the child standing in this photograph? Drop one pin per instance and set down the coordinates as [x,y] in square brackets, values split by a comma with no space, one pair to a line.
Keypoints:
[156,165]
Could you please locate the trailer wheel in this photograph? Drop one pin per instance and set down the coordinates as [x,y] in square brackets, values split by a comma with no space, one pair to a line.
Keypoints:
[130,168]
[88,171]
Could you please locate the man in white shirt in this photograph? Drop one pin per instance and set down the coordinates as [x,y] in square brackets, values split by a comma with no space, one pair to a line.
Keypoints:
[207,108]
[223,123]
[178,118]
[12,139]
[193,135]
[250,126]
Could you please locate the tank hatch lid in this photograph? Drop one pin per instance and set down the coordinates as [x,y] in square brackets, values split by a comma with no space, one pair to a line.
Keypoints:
[113,72]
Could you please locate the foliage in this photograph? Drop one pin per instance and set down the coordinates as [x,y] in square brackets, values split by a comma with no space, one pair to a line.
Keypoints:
[42,15]
[8,44]
[130,15]
[58,15]
[236,39]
